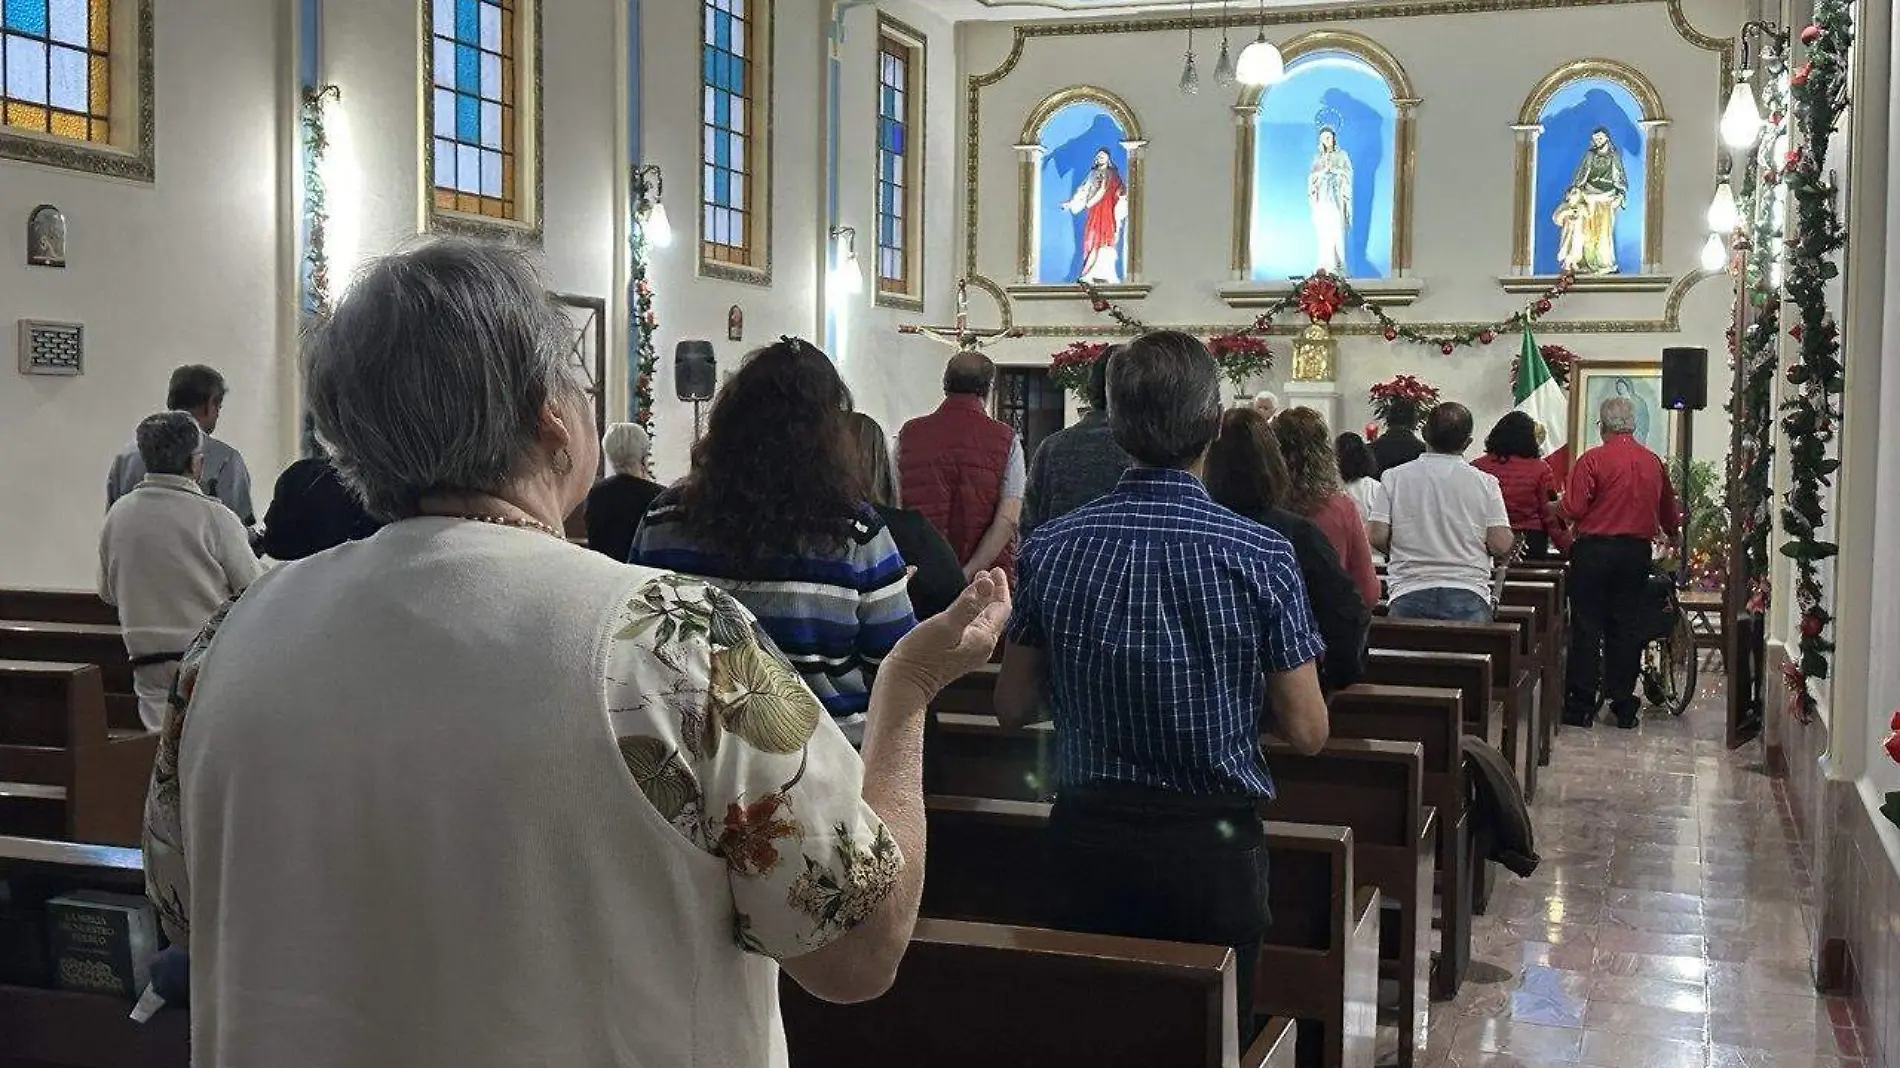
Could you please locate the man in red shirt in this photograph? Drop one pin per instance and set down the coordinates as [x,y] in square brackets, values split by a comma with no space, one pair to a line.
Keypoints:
[1619,500]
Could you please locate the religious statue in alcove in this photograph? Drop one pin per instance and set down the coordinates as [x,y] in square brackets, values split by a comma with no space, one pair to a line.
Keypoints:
[1329,193]
[46,237]
[1586,218]
[1102,201]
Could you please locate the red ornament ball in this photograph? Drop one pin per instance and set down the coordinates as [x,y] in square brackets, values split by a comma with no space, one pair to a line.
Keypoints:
[1101,305]
[1446,348]
[1811,33]
[1800,76]
[1487,336]
[1811,626]
[1543,306]
[1391,333]
[1892,745]
[1894,723]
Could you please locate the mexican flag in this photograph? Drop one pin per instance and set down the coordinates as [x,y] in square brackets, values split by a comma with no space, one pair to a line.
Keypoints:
[1539,396]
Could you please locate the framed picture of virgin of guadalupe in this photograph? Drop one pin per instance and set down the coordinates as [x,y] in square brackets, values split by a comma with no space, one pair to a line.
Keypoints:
[1594,381]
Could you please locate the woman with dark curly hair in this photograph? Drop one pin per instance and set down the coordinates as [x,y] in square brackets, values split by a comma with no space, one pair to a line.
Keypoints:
[776,513]
[1513,457]
[1313,468]
[1358,470]
[1245,472]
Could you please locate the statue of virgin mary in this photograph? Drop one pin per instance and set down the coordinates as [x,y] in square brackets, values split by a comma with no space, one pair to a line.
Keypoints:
[1329,193]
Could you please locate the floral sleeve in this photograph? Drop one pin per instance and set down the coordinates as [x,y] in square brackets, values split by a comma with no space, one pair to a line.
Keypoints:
[167,883]
[729,745]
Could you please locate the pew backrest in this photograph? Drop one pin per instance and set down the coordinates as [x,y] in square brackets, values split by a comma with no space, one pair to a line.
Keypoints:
[57,606]
[79,643]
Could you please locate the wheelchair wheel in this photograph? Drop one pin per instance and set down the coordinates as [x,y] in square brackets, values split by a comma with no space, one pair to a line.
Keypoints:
[1670,665]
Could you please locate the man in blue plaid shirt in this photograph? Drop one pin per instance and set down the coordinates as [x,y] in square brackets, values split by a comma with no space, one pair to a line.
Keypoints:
[1164,633]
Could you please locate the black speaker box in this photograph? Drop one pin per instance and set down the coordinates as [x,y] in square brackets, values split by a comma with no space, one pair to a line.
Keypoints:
[1685,378]
[695,371]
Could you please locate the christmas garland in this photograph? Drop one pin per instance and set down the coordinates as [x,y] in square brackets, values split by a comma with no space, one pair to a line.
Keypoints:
[1239,357]
[1322,295]
[316,210]
[1812,413]
[1758,245]
[643,324]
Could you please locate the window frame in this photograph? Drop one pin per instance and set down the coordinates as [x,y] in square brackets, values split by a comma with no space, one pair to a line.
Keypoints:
[914,46]
[761,34]
[526,225]
[130,152]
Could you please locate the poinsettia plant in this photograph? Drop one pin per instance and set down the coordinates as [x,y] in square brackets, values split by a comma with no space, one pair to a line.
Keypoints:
[1891,809]
[1557,358]
[1240,356]
[1421,394]
[1069,368]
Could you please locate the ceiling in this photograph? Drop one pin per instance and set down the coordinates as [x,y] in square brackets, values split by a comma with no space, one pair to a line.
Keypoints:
[1013,10]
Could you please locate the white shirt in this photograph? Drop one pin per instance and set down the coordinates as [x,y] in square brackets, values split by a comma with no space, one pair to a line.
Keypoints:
[1439,508]
[168,557]
[1366,493]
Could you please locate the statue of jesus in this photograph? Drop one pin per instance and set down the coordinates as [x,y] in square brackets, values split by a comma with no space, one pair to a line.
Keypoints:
[1586,219]
[1105,200]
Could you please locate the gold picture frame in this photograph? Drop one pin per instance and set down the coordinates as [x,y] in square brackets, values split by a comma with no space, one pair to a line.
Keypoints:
[1655,424]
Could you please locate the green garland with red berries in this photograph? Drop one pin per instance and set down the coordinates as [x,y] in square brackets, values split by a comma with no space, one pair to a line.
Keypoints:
[1811,414]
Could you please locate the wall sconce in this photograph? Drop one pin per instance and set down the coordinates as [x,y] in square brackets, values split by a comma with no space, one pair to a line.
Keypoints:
[1724,215]
[1714,254]
[1261,64]
[1741,119]
[648,207]
[847,278]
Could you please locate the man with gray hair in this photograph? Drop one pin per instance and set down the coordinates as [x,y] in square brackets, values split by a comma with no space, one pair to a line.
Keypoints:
[169,556]
[198,391]
[1267,403]
[1162,631]
[1619,499]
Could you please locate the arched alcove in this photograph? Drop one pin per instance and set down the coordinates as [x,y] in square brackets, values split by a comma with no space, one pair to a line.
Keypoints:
[1081,191]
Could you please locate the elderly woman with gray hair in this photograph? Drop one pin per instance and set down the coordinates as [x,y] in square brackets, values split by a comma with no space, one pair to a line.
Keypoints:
[617,503]
[466,794]
[169,555]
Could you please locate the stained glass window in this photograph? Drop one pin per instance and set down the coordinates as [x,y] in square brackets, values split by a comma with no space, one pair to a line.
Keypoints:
[729,91]
[896,203]
[476,122]
[55,67]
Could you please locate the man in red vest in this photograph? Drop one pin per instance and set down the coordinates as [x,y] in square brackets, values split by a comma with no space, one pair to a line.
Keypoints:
[964,470]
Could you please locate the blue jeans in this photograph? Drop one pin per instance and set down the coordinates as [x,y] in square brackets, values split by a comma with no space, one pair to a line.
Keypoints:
[1443,602]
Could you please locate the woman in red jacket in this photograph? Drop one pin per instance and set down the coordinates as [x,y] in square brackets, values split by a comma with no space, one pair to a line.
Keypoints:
[1512,456]
[1307,445]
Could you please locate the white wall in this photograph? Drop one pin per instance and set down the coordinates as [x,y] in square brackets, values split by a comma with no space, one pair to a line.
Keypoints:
[1473,73]
[185,270]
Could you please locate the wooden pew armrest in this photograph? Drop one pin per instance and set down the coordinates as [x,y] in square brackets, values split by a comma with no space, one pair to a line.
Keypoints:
[1273,1048]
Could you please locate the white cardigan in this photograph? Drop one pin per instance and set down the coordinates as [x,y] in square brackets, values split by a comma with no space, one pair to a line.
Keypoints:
[168,557]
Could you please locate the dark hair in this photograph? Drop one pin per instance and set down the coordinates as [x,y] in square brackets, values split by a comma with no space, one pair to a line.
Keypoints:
[1401,413]
[1098,380]
[1514,435]
[1164,399]
[1448,428]
[969,373]
[777,473]
[1311,465]
[168,441]
[1356,458]
[874,459]
[192,387]
[1245,470]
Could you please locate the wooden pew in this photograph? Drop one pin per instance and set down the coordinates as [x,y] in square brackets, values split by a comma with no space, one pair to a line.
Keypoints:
[1553,641]
[1432,718]
[57,606]
[1376,788]
[63,773]
[72,643]
[1512,684]
[989,862]
[1467,673]
[970,994]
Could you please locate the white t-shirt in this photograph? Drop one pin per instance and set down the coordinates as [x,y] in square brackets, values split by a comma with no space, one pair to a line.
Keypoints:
[1366,493]
[1439,508]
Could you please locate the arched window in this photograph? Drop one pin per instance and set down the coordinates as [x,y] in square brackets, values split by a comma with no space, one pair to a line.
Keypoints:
[1590,158]
[1324,151]
[1081,191]
[483,71]
[735,236]
[57,72]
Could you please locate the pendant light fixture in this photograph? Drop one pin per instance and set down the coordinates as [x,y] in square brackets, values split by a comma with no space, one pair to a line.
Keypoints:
[1714,254]
[1741,120]
[1224,65]
[1260,62]
[1190,77]
[1724,216]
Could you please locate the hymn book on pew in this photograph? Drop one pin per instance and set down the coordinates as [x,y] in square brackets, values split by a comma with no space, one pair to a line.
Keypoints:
[102,943]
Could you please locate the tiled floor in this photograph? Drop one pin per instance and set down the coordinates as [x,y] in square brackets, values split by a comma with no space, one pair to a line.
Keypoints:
[1664,928]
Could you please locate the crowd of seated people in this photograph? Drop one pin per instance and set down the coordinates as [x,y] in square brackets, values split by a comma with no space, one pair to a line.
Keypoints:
[748,699]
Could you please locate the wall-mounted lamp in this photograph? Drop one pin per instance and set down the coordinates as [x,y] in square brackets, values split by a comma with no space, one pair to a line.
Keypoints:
[1724,216]
[1261,64]
[1714,254]
[1741,119]
[648,207]
[847,278]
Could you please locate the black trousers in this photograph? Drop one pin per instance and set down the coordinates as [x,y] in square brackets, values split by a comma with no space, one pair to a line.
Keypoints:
[1607,577]
[1154,864]
[1536,544]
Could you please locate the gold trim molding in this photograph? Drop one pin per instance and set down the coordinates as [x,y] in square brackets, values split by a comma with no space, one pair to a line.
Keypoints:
[1405,103]
[1071,292]
[133,74]
[1586,283]
[1529,127]
[1029,151]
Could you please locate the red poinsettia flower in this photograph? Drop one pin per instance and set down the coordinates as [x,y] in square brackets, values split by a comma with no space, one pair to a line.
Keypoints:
[1321,297]
[1894,723]
[1801,74]
[1893,746]
[749,834]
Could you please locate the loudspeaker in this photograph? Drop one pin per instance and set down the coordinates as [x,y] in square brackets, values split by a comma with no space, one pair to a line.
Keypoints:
[1685,378]
[695,371]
